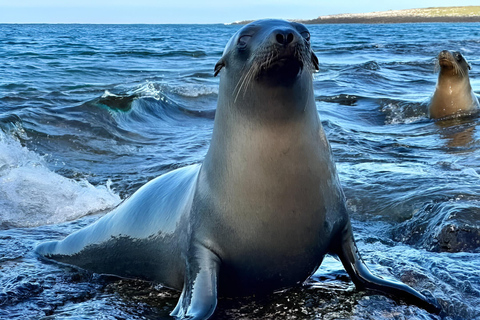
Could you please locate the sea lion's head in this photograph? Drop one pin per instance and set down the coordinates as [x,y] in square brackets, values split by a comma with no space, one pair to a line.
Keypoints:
[268,60]
[269,50]
[453,63]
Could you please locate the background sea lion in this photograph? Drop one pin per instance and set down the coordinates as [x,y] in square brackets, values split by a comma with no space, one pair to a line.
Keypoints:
[263,208]
[453,93]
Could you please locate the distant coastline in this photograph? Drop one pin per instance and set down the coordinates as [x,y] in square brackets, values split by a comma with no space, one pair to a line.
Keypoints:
[437,14]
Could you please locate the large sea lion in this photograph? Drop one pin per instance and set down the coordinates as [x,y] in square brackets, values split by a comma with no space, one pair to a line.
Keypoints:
[263,208]
[453,94]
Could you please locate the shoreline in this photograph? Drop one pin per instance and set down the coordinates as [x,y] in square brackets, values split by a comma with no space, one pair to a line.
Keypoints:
[379,20]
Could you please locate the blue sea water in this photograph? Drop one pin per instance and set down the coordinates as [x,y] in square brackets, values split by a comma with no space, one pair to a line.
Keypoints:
[89,113]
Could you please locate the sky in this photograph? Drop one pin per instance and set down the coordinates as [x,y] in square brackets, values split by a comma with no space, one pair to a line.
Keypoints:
[195,11]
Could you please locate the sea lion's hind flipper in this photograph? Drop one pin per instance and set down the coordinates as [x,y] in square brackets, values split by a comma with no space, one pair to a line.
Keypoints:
[364,280]
[199,296]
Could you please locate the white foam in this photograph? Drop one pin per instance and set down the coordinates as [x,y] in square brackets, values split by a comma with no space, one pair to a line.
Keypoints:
[150,90]
[195,91]
[33,195]
[402,114]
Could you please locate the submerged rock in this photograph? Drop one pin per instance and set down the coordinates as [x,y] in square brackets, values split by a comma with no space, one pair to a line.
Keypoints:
[452,226]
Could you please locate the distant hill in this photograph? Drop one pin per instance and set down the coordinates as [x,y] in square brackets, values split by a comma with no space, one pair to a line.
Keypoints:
[438,14]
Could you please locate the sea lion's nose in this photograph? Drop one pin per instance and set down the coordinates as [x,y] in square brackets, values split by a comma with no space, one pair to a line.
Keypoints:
[284,37]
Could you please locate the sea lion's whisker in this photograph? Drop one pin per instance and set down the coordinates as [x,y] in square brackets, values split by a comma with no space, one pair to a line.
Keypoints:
[437,66]
[244,82]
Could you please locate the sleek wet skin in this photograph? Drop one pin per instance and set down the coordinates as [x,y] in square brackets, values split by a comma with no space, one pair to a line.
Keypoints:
[453,94]
[263,208]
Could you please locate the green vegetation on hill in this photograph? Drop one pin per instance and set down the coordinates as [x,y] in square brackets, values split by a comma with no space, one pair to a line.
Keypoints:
[451,11]
[436,14]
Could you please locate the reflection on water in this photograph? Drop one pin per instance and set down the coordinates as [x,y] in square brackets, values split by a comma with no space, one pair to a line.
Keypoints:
[459,134]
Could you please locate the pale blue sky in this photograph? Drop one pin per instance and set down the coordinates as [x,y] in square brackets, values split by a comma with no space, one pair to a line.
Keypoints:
[194,11]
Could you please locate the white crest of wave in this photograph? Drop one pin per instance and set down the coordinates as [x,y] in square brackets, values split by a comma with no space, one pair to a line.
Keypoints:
[158,91]
[33,195]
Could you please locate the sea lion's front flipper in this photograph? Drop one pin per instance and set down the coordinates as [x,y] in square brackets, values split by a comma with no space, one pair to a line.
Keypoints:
[199,296]
[362,278]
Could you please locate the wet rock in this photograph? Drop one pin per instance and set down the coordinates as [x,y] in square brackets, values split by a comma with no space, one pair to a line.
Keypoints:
[450,226]
[121,102]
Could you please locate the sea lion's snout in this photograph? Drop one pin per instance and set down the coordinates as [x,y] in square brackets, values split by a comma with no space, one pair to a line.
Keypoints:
[286,47]
[284,58]
[284,54]
[445,58]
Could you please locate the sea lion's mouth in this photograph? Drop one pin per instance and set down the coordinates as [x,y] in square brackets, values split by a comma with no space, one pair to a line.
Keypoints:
[444,61]
[286,67]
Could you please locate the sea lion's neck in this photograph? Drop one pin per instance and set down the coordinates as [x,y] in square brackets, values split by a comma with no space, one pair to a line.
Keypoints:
[248,147]
[261,110]
[452,75]
[453,83]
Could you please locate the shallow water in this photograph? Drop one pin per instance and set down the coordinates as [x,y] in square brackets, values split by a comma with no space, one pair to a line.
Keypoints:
[88,113]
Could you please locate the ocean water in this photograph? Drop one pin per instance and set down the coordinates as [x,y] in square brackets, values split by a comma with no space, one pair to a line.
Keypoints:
[89,113]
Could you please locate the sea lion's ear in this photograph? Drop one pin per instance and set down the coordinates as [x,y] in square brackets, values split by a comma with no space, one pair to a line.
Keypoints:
[469,66]
[315,61]
[220,64]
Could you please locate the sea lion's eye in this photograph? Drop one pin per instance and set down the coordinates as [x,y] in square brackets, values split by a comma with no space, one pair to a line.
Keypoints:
[242,41]
[458,56]
[306,35]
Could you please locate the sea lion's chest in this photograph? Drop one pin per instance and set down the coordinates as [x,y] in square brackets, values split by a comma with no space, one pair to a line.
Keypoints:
[279,207]
[452,96]
[269,238]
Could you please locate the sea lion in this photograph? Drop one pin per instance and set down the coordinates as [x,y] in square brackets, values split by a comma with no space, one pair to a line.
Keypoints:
[263,208]
[453,94]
